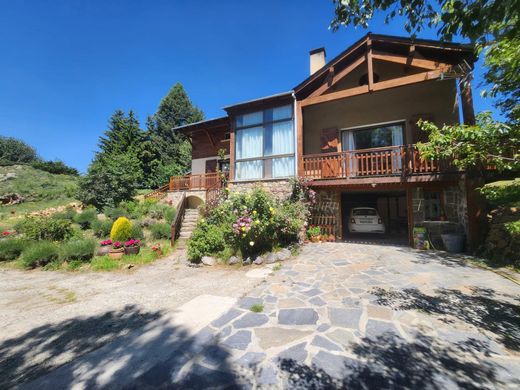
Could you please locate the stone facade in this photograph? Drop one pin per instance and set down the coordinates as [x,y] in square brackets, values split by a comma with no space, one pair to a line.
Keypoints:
[280,189]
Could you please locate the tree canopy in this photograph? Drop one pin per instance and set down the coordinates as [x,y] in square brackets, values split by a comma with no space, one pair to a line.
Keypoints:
[13,150]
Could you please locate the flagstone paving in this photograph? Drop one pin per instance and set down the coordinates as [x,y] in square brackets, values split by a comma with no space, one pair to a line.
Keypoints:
[349,315]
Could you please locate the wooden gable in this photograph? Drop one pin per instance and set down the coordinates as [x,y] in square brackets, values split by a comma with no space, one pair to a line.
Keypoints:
[381,62]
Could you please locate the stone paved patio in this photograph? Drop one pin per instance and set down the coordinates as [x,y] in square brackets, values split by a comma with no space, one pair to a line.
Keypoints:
[361,316]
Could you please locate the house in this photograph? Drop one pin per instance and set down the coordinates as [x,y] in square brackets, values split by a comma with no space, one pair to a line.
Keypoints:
[350,128]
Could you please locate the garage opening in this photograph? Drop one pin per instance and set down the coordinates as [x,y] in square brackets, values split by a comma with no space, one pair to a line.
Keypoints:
[366,214]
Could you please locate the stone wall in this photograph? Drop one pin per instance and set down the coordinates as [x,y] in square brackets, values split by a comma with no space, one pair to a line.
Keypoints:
[280,189]
[500,245]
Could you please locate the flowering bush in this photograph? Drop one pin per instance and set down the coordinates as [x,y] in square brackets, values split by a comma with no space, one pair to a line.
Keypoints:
[6,234]
[132,243]
[105,243]
[117,245]
[250,224]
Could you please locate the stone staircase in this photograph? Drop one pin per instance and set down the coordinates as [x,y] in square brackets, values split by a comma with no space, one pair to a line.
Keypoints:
[188,225]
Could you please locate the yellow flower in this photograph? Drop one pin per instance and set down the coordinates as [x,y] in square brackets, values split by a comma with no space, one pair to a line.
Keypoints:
[257,221]
[271,209]
[243,228]
[243,236]
[254,211]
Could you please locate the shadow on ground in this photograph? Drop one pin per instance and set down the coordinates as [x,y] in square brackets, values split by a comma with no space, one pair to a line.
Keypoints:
[444,258]
[484,309]
[114,341]
[390,362]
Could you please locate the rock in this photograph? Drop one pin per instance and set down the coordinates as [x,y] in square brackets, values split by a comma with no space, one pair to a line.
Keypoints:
[225,318]
[11,199]
[250,359]
[251,320]
[348,318]
[259,260]
[129,266]
[247,261]
[271,258]
[297,316]
[239,340]
[322,342]
[208,260]
[284,254]
[297,353]
[233,260]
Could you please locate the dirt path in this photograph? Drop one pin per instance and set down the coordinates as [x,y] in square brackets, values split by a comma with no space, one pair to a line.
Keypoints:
[80,312]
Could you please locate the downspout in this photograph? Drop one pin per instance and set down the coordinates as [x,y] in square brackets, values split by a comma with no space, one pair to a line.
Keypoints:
[295,136]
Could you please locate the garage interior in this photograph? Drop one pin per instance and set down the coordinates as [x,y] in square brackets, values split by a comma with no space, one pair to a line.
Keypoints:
[392,208]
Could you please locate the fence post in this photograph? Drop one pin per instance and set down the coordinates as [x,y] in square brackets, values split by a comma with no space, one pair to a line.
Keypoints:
[171,183]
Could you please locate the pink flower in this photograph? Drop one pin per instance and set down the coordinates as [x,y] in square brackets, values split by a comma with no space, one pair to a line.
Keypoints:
[106,242]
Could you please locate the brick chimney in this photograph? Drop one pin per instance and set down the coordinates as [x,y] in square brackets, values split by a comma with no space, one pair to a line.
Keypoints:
[317,59]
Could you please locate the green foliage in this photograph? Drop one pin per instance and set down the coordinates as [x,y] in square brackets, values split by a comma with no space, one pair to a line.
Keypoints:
[55,167]
[102,228]
[487,143]
[249,223]
[13,151]
[161,230]
[115,212]
[206,240]
[104,263]
[159,211]
[121,230]
[502,192]
[11,248]
[313,231]
[136,232]
[40,254]
[80,250]
[44,228]
[513,228]
[173,151]
[169,214]
[257,308]
[68,214]
[86,218]
[110,180]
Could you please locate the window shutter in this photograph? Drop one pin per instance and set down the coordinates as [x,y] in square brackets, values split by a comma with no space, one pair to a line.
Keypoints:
[211,166]
[329,140]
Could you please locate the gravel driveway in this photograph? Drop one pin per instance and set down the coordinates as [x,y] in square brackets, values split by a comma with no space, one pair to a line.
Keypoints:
[337,316]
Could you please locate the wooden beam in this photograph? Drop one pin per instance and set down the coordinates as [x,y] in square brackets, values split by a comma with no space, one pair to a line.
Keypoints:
[210,138]
[370,66]
[468,114]
[398,82]
[232,149]
[326,87]
[299,138]
[409,60]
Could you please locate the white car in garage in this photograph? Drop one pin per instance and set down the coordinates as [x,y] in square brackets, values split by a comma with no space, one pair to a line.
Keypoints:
[365,220]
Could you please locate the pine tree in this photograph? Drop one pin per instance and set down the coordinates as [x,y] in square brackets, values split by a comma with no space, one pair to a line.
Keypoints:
[123,135]
[172,147]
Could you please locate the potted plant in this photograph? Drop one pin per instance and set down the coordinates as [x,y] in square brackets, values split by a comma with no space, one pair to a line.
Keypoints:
[104,248]
[132,247]
[117,250]
[157,249]
[314,233]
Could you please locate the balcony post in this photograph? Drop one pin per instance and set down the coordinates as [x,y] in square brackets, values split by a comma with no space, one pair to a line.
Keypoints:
[171,183]
[299,138]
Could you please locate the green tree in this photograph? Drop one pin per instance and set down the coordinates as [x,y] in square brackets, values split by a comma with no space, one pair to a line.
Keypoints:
[123,135]
[13,150]
[488,142]
[111,179]
[172,147]
[494,26]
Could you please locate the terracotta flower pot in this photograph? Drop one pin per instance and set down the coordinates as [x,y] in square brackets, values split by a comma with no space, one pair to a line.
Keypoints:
[116,253]
[103,250]
[132,250]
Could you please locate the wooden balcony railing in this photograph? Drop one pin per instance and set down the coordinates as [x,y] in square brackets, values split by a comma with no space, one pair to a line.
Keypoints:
[202,181]
[388,161]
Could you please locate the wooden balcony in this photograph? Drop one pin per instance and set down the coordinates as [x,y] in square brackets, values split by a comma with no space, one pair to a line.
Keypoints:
[204,181]
[397,162]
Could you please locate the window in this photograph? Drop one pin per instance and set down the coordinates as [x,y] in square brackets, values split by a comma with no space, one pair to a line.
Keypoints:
[373,137]
[264,144]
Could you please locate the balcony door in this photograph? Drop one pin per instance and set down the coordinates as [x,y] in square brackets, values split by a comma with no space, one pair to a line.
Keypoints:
[373,149]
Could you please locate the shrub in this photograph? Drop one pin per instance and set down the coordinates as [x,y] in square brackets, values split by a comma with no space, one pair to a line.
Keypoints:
[55,167]
[313,231]
[136,232]
[115,212]
[11,248]
[102,228]
[86,218]
[206,240]
[121,230]
[158,210]
[161,230]
[68,214]
[45,228]
[502,192]
[169,214]
[81,250]
[39,254]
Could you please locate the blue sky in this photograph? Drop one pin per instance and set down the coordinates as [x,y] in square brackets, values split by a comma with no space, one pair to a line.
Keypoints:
[66,65]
